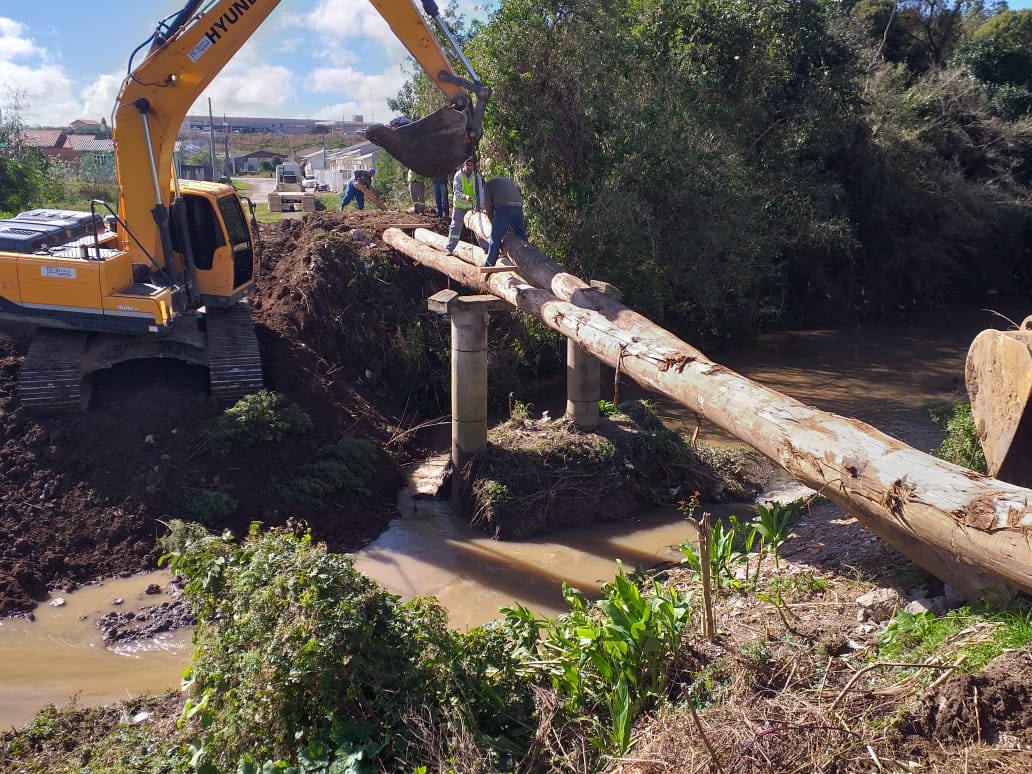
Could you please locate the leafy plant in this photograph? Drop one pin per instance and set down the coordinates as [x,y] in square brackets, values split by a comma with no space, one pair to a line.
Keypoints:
[608,660]
[724,555]
[773,524]
[262,416]
[345,466]
[518,409]
[208,506]
[961,445]
[301,661]
[974,637]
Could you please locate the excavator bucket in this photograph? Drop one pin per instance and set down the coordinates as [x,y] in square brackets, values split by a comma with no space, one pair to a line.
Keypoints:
[434,146]
[998,373]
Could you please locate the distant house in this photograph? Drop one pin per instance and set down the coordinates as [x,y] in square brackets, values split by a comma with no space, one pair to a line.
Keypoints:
[87,143]
[253,160]
[51,143]
[78,150]
[340,163]
[85,125]
[95,155]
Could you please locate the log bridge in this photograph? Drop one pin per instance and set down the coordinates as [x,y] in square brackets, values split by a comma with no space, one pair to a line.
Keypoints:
[969,530]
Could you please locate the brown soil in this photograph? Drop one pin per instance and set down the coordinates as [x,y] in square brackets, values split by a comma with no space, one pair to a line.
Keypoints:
[83,496]
[808,698]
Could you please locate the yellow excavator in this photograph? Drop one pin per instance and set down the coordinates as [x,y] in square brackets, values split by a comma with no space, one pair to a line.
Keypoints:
[166,274]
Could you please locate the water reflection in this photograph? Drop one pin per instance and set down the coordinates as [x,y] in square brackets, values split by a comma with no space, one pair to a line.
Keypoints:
[433,553]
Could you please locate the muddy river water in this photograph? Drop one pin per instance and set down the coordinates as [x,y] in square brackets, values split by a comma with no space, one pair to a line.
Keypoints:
[883,378]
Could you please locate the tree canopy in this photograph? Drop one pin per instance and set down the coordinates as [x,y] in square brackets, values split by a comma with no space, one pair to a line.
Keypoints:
[732,164]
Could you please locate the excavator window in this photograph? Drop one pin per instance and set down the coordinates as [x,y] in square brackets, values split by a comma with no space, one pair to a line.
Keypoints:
[239,238]
[204,229]
[233,217]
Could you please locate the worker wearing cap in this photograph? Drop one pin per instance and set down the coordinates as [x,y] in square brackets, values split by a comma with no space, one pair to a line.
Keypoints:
[467,194]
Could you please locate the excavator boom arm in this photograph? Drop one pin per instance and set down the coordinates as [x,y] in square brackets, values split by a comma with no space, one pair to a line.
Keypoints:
[184,58]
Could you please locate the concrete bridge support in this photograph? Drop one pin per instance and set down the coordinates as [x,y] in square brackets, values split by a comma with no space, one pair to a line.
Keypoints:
[469,316]
[583,375]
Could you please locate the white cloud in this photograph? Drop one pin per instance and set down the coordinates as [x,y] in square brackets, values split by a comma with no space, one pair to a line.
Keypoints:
[346,19]
[39,89]
[100,97]
[257,90]
[13,43]
[366,92]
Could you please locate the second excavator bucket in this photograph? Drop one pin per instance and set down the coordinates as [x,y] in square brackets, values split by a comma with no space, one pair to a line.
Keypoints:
[998,373]
[434,146]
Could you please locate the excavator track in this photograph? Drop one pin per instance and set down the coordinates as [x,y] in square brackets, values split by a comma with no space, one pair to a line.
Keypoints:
[234,362]
[50,379]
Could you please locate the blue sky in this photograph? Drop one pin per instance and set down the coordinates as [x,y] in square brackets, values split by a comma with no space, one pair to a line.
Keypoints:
[319,59]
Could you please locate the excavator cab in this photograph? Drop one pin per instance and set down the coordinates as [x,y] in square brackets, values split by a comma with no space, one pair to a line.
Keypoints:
[434,146]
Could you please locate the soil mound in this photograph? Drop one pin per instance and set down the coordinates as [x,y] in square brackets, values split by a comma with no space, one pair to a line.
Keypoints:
[83,496]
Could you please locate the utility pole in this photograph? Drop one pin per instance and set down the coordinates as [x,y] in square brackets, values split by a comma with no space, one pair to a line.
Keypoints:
[211,141]
[225,140]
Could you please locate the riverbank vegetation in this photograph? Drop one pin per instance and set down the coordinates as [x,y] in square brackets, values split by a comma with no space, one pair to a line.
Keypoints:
[302,664]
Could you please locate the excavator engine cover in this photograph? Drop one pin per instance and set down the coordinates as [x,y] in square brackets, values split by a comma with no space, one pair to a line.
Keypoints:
[434,146]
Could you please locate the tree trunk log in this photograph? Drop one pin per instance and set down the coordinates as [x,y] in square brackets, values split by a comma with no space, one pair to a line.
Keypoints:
[971,531]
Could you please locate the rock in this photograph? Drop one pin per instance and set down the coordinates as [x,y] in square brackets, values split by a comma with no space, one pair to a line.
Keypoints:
[954,598]
[918,606]
[57,602]
[877,605]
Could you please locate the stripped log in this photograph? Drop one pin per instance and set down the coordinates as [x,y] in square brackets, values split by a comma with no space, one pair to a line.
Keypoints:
[369,192]
[969,530]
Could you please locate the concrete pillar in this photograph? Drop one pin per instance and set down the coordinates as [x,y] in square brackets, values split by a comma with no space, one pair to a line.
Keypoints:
[583,376]
[468,379]
[582,386]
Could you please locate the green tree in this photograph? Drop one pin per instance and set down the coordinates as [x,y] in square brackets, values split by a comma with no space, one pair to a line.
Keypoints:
[419,95]
[999,55]
[649,132]
[920,33]
[1012,29]
[25,180]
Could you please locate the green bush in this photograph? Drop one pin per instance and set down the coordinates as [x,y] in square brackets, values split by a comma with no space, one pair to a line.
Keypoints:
[301,660]
[961,445]
[255,418]
[345,466]
[606,660]
[209,507]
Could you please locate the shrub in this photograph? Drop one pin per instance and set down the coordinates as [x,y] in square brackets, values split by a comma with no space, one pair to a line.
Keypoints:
[961,445]
[209,507]
[253,419]
[607,660]
[344,466]
[301,660]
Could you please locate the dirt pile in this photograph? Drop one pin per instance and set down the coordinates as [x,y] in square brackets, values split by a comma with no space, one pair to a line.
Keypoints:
[83,496]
